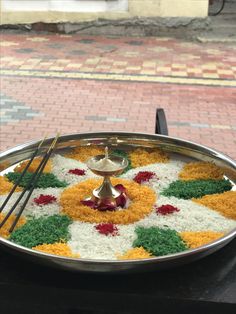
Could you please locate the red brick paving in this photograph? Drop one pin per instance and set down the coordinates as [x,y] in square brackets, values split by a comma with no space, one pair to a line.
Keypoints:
[65,103]
[159,56]
[69,105]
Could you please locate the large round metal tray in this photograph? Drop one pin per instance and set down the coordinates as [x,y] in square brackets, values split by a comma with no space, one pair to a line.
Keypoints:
[180,148]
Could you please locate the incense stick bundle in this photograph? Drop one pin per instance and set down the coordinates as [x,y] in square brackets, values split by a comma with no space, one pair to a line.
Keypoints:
[30,186]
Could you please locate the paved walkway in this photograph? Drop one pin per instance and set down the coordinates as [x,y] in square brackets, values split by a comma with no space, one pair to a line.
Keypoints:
[72,83]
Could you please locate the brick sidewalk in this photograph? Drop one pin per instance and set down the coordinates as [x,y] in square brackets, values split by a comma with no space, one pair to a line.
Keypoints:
[78,84]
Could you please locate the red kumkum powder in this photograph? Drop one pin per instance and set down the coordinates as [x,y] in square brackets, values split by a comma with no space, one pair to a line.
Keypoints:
[78,172]
[120,201]
[45,199]
[107,229]
[166,209]
[143,176]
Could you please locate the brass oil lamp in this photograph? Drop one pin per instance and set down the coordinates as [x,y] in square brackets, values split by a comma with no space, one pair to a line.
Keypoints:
[106,166]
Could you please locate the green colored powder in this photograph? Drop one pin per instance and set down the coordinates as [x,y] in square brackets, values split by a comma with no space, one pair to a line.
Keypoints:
[42,230]
[123,154]
[159,242]
[196,188]
[46,180]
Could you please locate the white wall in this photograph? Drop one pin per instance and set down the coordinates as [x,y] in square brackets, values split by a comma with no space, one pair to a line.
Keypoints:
[65,5]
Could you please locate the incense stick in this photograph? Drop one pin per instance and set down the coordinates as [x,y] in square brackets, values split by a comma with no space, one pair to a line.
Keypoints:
[46,158]
[31,184]
[21,176]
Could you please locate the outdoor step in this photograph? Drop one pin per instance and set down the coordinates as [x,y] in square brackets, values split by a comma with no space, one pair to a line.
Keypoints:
[215,39]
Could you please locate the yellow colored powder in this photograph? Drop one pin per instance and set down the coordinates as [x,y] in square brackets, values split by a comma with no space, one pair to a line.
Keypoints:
[142,157]
[61,249]
[34,165]
[196,239]
[136,253]
[142,199]
[84,153]
[6,186]
[4,165]
[201,171]
[4,230]
[224,203]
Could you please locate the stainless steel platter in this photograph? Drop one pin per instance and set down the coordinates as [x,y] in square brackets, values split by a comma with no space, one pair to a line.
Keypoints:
[181,149]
